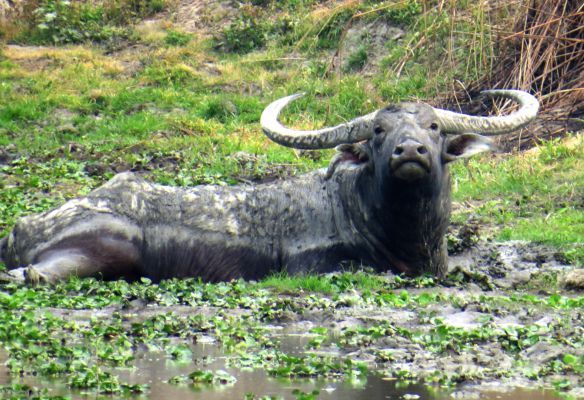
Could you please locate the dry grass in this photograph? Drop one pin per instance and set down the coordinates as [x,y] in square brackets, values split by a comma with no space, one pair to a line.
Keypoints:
[544,55]
[152,31]
[327,12]
[33,58]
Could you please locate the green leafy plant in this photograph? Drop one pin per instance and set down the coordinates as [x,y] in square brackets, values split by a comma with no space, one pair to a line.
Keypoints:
[206,377]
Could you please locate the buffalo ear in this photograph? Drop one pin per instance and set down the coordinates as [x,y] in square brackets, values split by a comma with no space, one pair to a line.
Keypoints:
[465,145]
[354,154]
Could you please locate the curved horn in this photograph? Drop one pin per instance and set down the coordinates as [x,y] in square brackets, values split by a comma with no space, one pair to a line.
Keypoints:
[361,128]
[459,123]
[349,132]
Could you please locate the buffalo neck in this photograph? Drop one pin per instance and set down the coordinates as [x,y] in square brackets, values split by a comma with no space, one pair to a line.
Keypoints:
[401,224]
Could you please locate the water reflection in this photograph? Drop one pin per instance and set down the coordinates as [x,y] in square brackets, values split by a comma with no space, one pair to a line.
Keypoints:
[154,369]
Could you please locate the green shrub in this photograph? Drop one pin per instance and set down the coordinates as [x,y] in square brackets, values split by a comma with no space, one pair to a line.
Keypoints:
[255,27]
[121,12]
[286,29]
[244,35]
[261,3]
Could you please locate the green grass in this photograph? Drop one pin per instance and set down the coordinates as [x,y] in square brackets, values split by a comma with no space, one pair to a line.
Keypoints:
[345,282]
[562,229]
[535,197]
[311,283]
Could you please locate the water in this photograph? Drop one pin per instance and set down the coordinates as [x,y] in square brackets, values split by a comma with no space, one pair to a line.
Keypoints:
[154,368]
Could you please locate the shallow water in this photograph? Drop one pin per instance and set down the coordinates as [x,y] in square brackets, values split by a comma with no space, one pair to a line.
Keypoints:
[155,369]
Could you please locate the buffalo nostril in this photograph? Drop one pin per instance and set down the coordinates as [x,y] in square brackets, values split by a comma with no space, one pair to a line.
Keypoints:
[398,150]
[422,150]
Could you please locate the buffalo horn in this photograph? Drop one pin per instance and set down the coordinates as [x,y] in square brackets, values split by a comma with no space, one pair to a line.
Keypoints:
[455,123]
[349,132]
[361,128]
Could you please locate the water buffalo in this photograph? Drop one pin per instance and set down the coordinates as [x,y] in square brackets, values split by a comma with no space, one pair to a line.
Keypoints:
[384,201]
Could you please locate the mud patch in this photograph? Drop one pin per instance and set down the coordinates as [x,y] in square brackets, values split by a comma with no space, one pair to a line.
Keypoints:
[574,279]
[8,153]
[129,58]
[516,265]
[206,17]
[365,44]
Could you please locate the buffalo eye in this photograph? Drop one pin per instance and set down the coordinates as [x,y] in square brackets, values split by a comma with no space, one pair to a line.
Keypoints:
[378,130]
[434,126]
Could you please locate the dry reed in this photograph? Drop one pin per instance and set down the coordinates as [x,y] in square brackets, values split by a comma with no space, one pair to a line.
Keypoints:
[544,55]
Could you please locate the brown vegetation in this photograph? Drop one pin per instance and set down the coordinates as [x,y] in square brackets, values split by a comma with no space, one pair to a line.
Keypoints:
[544,55]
